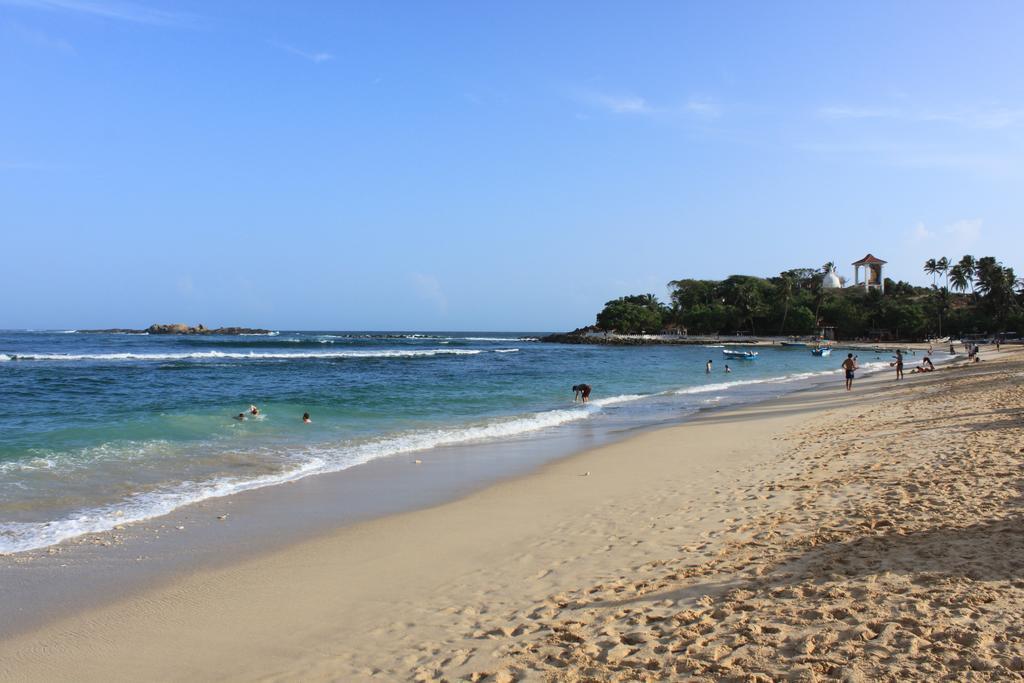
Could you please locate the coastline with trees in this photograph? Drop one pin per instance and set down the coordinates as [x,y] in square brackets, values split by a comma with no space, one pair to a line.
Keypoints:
[971,297]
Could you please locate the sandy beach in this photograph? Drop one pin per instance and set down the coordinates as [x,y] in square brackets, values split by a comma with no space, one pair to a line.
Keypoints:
[874,535]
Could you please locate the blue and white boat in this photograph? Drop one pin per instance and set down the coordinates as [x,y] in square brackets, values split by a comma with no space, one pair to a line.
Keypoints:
[743,355]
[823,351]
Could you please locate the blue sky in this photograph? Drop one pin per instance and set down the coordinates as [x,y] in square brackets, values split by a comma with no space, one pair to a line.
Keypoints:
[487,165]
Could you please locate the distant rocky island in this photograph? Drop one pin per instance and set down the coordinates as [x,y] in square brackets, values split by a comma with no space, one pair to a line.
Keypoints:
[181,328]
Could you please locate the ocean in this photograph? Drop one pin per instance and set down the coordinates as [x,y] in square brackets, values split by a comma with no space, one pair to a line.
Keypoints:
[100,430]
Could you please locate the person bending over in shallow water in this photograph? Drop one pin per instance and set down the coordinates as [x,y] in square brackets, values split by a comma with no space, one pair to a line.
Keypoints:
[727,368]
[581,390]
[240,417]
[305,418]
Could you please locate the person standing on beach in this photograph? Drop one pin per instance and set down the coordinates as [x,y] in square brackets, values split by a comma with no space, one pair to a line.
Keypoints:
[707,368]
[899,364]
[581,390]
[849,365]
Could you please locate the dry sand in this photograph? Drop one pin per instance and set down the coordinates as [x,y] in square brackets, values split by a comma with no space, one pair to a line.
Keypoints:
[872,536]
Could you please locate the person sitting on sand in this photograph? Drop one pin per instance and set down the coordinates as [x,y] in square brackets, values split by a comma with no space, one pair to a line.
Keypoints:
[305,418]
[253,410]
[925,366]
[581,390]
[240,417]
[849,365]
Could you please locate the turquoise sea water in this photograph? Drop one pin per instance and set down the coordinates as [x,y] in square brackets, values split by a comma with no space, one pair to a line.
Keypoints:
[98,430]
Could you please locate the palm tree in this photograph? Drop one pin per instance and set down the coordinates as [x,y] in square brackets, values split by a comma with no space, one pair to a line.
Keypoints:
[942,267]
[941,304]
[970,268]
[931,267]
[987,271]
[828,267]
[959,277]
[787,283]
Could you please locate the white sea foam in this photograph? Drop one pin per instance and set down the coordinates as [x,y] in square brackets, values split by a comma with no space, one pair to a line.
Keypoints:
[250,355]
[494,339]
[21,536]
[723,386]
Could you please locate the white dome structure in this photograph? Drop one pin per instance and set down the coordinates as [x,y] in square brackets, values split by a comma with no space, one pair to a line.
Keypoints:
[831,281]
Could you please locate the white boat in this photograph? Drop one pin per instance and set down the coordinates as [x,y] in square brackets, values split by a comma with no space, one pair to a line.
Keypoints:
[744,355]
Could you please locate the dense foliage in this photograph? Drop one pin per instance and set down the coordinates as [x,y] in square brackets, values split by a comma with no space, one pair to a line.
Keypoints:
[971,296]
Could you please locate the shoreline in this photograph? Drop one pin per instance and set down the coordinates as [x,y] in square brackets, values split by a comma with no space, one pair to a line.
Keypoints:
[409,538]
[96,567]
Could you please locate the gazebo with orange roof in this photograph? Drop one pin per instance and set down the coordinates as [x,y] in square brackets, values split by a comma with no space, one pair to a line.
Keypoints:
[872,272]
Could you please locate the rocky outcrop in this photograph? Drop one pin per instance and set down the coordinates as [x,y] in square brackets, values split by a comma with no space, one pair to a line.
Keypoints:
[182,328]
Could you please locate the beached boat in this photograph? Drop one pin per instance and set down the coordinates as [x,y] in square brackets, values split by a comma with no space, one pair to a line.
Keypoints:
[802,345]
[744,355]
[823,351]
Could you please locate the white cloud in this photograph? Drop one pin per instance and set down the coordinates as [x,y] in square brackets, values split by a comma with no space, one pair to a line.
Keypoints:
[428,289]
[619,104]
[966,231]
[703,106]
[315,57]
[636,105]
[918,156]
[842,112]
[106,9]
[957,237]
[36,38]
[921,233]
[996,117]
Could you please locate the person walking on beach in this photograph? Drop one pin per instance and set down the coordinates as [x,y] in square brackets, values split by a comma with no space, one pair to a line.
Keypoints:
[707,368]
[581,390]
[899,364]
[849,365]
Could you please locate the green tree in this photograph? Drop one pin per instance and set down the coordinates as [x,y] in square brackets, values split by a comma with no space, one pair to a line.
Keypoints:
[942,267]
[970,268]
[958,276]
[633,314]
[931,267]
[786,288]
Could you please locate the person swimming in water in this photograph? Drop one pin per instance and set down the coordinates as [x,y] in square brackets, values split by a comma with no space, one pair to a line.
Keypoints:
[305,418]
[253,410]
[240,417]
[581,390]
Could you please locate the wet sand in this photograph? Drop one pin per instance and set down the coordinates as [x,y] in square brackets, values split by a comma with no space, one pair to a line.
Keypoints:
[866,536]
